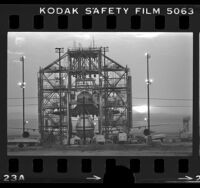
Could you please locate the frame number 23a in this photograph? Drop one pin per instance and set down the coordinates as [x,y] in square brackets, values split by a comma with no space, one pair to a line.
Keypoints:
[13,178]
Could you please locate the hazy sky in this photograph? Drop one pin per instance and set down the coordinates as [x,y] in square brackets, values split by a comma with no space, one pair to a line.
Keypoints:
[170,65]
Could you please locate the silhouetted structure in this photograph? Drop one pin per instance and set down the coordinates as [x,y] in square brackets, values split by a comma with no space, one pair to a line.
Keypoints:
[84,83]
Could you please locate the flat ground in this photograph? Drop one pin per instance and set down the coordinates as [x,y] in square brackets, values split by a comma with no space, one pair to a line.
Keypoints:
[172,149]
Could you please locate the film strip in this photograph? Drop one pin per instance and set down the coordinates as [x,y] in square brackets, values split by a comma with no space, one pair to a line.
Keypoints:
[150,157]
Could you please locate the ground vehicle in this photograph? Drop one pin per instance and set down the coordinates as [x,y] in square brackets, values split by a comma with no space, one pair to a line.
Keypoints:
[99,139]
[185,136]
[122,137]
[140,138]
[185,133]
[160,137]
[109,141]
[75,140]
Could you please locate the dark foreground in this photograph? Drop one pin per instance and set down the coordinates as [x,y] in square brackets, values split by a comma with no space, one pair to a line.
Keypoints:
[172,149]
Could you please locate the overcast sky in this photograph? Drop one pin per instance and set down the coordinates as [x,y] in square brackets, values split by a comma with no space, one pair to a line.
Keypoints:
[170,65]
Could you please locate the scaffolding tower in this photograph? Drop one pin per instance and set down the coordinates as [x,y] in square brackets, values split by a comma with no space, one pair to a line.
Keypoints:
[83,71]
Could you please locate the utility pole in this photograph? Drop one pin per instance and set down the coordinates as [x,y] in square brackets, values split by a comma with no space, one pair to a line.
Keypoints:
[59,51]
[148,101]
[23,91]
[22,84]
[148,82]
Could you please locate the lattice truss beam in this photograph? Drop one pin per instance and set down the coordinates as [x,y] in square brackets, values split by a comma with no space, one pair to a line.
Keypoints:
[84,70]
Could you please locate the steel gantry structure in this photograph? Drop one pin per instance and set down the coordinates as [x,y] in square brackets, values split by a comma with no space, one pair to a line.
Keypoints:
[83,82]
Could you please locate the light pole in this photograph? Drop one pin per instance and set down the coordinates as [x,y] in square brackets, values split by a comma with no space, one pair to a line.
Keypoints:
[22,85]
[148,82]
[59,51]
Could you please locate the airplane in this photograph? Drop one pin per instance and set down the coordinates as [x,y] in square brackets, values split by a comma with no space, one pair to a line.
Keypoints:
[141,137]
[184,135]
[154,136]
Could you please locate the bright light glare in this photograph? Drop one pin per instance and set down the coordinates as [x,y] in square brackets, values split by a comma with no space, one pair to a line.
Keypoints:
[19,83]
[140,109]
[150,81]
[147,55]
[22,58]
[147,34]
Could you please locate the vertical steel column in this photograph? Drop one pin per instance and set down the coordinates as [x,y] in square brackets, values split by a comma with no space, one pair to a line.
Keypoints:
[60,79]
[106,123]
[41,128]
[84,139]
[129,101]
[68,118]
[100,92]
[68,102]
[59,50]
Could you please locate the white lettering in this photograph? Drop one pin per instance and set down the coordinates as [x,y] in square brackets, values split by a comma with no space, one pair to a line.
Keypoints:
[67,11]
[111,10]
[137,10]
[74,10]
[96,11]
[51,10]
[126,10]
[42,10]
[88,10]
[103,9]
[21,178]
[59,10]
[156,11]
